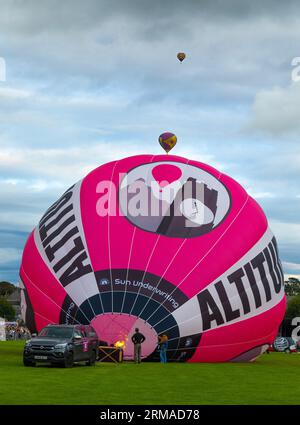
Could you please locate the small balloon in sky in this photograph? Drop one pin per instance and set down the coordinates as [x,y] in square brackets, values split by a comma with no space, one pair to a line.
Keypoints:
[167,141]
[181,56]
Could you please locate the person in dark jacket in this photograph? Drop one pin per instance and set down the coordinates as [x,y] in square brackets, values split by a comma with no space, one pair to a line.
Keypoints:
[137,339]
[163,343]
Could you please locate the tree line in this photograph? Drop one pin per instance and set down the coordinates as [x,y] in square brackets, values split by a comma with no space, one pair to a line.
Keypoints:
[292,289]
[6,309]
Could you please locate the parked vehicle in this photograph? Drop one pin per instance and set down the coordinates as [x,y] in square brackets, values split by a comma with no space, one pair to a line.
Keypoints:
[62,344]
[284,344]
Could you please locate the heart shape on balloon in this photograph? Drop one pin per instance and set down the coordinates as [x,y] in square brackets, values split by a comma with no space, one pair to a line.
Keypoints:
[166,174]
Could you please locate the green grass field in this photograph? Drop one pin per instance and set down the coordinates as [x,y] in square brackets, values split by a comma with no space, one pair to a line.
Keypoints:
[273,379]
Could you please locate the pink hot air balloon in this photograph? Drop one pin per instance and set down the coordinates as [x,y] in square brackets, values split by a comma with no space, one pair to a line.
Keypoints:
[169,245]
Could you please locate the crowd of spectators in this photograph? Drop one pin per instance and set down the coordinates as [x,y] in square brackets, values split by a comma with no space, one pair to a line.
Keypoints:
[15,331]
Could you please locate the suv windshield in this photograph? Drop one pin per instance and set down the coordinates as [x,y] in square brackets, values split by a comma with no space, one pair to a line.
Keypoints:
[56,332]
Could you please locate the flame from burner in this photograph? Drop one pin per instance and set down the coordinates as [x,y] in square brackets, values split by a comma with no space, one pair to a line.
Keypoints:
[120,344]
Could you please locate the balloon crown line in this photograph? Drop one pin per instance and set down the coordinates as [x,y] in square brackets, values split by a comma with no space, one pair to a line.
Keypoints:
[167,141]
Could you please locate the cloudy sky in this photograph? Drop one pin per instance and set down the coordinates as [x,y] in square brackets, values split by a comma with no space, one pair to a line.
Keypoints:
[91,81]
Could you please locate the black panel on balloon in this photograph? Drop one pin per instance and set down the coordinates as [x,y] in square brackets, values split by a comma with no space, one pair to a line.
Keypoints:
[96,304]
[80,318]
[158,316]
[186,347]
[106,302]
[149,308]
[166,325]
[138,305]
[118,298]
[87,311]
[129,299]
[68,312]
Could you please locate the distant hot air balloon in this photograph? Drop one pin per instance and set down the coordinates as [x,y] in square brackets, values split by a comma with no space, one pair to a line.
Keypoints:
[181,56]
[167,141]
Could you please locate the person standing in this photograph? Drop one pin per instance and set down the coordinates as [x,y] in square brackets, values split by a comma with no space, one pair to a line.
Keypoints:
[163,346]
[137,339]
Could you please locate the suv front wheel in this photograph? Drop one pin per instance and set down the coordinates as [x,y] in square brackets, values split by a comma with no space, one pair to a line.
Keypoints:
[28,363]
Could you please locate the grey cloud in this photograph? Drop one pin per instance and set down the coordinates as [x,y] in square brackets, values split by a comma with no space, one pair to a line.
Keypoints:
[276,111]
[281,206]
[136,43]
[91,81]
[77,13]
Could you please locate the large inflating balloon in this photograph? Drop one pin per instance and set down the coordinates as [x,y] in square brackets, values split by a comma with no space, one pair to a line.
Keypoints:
[169,245]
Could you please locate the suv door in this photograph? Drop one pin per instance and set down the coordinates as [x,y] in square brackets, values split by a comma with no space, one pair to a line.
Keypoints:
[78,345]
[87,348]
[94,342]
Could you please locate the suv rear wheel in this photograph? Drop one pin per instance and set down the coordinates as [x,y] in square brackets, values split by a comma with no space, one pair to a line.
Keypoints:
[69,360]
[92,359]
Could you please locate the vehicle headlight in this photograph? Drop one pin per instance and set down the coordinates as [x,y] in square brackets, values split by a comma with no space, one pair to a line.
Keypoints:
[61,346]
[28,343]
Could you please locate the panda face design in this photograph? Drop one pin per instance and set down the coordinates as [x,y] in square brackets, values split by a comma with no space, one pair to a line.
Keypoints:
[173,199]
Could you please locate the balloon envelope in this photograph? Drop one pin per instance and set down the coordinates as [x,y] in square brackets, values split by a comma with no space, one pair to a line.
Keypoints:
[167,141]
[181,56]
[166,244]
